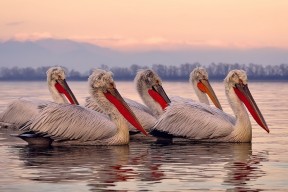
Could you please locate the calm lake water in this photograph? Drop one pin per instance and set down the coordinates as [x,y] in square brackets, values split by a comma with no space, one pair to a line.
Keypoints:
[146,166]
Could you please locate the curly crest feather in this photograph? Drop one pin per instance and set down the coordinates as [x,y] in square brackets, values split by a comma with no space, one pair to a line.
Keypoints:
[236,76]
[55,73]
[100,79]
[197,74]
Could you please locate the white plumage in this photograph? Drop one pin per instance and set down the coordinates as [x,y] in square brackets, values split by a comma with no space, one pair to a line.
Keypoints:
[145,81]
[149,87]
[23,109]
[76,125]
[146,119]
[200,83]
[204,123]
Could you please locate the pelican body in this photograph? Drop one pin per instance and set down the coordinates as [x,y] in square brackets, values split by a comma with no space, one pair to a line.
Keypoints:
[148,84]
[206,124]
[77,125]
[149,87]
[23,109]
[203,89]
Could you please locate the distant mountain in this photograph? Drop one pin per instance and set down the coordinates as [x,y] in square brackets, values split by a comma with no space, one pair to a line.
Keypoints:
[73,55]
[84,56]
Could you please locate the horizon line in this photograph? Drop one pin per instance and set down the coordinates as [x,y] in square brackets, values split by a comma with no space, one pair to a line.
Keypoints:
[138,47]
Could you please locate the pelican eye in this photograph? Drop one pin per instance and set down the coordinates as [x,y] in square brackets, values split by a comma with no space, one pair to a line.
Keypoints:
[100,76]
[112,84]
[148,80]
[240,84]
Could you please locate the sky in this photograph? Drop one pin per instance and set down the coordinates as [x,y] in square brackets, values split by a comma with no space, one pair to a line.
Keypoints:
[149,24]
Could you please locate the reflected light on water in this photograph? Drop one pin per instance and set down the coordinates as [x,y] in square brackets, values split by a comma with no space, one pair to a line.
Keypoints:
[145,165]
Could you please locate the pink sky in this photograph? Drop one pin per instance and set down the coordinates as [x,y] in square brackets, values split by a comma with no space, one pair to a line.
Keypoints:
[147,24]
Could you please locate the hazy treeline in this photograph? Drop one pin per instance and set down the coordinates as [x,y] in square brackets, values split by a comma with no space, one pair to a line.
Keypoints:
[179,72]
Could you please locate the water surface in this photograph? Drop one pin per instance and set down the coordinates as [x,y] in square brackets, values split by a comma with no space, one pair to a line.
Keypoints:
[144,165]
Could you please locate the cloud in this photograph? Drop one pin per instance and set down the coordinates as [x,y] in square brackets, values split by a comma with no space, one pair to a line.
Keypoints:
[131,43]
[160,43]
[157,43]
[32,37]
[144,44]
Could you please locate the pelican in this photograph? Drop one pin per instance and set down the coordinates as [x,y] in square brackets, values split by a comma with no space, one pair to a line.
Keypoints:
[77,125]
[201,122]
[149,87]
[23,109]
[148,83]
[200,83]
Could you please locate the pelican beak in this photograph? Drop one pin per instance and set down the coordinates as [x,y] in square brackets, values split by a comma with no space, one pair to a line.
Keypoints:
[159,95]
[245,96]
[116,99]
[63,88]
[205,87]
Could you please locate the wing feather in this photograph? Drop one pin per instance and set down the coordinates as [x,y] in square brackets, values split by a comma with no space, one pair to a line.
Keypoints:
[193,120]
[144,115]
[206,107]
[139,106]
[65,121]
[92,104]
[21,110]
[146,120]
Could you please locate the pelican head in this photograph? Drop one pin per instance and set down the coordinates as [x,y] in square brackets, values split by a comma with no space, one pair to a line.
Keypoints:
[149,87]
[199,80]
[103,90]
[58,86]
[238,81]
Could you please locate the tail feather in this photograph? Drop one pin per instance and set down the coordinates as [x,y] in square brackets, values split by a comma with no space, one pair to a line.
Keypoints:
[161,134]
[33,138]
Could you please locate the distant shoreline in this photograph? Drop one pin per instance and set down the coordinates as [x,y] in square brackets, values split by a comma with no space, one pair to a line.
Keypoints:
[167,80]
[217,72]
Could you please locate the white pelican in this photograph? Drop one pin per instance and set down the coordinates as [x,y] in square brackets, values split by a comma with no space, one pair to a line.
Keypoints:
[149,87]
[199,80]
[202,123]
[76,125]
[200,83]
[23,109]
[150,84]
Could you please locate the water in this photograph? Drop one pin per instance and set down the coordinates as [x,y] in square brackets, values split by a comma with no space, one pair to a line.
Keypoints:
[146,166]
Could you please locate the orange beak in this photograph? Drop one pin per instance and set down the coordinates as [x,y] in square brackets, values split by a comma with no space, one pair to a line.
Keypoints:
[205,87]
